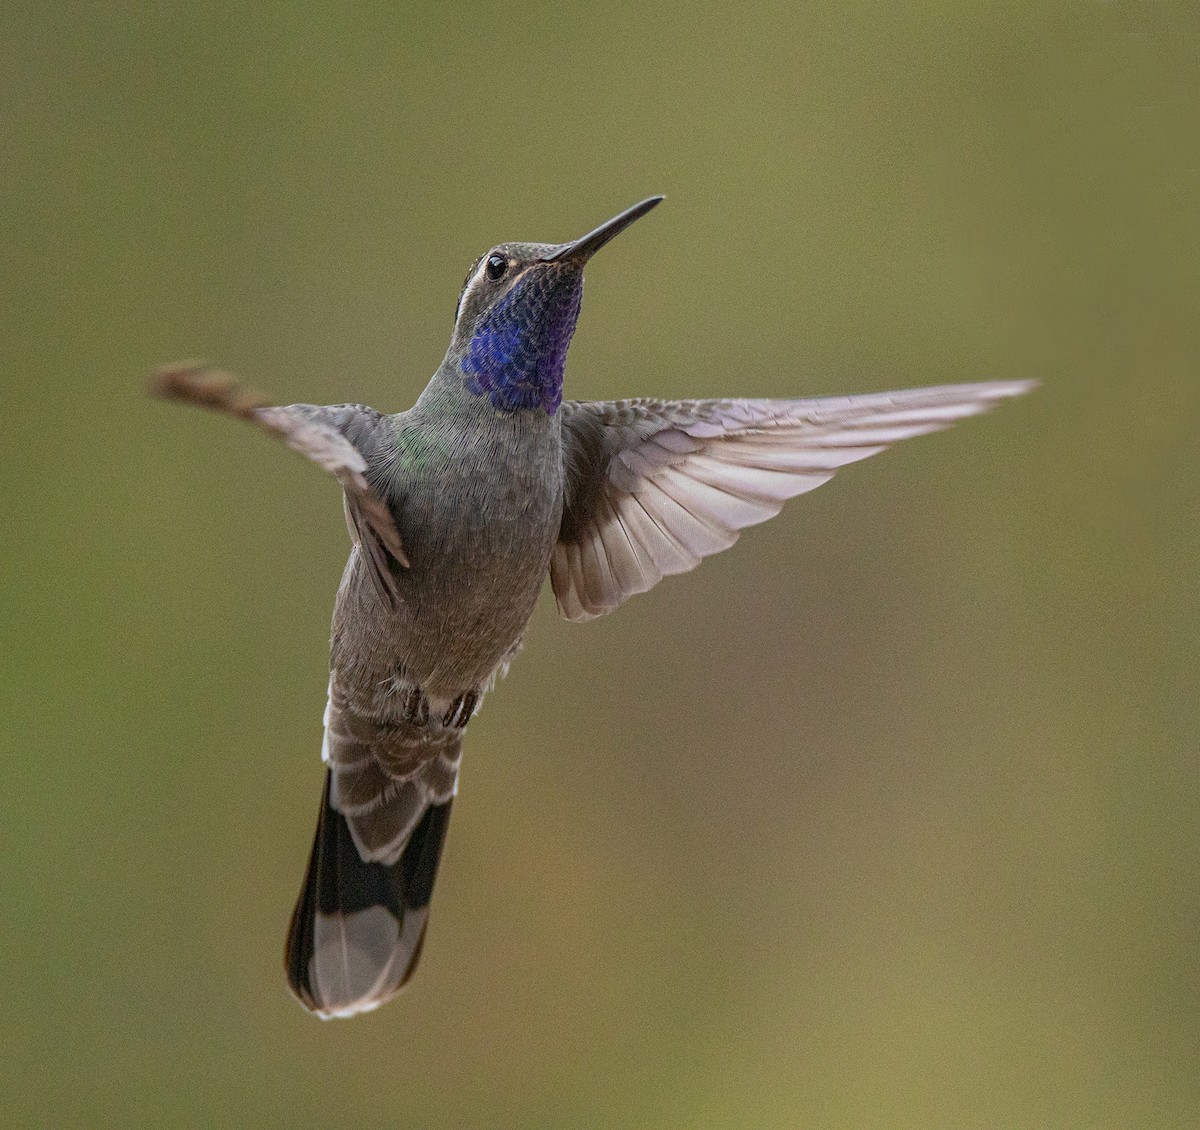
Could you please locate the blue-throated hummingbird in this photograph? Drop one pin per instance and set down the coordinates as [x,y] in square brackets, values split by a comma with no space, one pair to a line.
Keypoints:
[458,509]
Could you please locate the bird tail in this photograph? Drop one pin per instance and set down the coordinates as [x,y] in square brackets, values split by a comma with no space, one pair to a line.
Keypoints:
[358,926]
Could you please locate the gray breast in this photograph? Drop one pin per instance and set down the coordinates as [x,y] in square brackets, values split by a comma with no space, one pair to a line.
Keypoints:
[478,508]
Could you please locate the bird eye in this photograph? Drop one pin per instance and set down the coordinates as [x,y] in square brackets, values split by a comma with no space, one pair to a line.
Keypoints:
[496,266]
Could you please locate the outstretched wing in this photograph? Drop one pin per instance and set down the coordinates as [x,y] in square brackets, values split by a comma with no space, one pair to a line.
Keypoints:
[653,486]
[318,434]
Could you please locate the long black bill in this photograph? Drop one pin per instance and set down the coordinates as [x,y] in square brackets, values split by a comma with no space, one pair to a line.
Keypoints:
[587,246]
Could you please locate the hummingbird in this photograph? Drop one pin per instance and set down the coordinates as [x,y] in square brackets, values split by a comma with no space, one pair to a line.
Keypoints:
[457,510]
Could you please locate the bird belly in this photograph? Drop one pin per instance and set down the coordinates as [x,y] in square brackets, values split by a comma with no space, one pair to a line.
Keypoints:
[464,609]
[479,541]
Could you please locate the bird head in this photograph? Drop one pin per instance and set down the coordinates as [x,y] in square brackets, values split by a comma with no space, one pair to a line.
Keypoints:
[517,312]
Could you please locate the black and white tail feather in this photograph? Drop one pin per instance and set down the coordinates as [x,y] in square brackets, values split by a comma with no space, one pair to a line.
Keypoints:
[359,925]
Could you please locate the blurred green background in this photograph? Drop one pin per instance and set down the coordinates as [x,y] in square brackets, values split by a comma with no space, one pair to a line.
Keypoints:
[886,817]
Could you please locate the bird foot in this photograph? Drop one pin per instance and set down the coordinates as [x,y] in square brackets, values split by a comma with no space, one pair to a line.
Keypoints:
[461,710]
[415,710]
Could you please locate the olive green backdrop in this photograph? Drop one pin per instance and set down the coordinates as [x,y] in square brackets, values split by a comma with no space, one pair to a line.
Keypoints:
[887,817]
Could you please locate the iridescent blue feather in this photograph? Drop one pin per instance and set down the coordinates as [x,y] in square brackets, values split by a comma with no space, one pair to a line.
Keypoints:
[519,350]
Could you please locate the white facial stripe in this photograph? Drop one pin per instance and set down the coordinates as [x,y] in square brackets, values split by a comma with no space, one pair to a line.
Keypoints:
[476,278]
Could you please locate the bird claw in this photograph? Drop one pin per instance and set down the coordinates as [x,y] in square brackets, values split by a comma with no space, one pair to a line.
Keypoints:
[416,707]
[461,710]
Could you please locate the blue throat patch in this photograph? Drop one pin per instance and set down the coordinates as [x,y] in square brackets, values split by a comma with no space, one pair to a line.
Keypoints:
[519,350]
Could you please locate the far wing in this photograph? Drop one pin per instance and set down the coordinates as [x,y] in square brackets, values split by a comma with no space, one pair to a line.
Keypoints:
[316,433]
[653,486]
